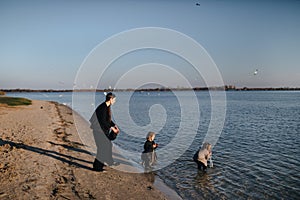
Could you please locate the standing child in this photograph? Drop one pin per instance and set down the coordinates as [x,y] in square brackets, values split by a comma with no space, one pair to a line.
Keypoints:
[149,155]
[202,156]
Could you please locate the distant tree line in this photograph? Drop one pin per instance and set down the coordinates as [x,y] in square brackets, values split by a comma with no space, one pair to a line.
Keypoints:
[218,88]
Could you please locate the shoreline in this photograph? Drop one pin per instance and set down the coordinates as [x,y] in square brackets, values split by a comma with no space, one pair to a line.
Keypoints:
[43,157]
[129,166]
[165,189]
[217,88]
[125,165]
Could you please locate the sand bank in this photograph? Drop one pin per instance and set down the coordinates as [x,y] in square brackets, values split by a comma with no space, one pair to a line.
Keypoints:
[42,157]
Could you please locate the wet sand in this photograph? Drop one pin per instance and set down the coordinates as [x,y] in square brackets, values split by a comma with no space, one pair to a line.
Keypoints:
[42,157]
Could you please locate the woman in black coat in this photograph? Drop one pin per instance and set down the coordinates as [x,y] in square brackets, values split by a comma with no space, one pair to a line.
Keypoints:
[104,130]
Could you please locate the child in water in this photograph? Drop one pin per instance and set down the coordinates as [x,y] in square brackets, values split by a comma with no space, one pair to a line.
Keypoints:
[149,156]
[202,156]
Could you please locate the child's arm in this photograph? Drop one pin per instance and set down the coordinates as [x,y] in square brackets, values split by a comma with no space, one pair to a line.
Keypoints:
[155,145]
[209,155]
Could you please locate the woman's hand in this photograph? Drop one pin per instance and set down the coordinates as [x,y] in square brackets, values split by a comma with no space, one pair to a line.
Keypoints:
[115,129]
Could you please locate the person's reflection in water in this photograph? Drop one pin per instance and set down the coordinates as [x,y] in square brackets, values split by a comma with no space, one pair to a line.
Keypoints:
[204,184]
[150,176]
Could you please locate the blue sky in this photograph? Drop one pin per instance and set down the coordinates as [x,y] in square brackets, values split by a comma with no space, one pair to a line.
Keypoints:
[43,43]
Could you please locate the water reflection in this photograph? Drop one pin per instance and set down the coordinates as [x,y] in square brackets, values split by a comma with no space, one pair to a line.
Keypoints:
[150,176]
[202,181]
[256,157]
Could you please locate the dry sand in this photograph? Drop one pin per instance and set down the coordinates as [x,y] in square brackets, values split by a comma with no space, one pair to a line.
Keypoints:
[42,157]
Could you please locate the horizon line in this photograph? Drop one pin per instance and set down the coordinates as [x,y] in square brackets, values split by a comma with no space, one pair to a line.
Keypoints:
[226,88]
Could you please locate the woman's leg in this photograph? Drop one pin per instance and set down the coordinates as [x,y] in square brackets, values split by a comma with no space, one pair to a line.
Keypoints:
[110,160]
[98,163]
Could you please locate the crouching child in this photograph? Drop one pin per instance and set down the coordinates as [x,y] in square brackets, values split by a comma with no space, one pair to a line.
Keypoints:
[202,156]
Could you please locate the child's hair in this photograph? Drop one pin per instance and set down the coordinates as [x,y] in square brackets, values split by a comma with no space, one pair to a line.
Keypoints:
[150,134]
[206,145]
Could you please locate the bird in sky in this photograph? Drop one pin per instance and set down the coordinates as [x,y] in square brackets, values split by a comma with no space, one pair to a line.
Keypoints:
[197,4]
[255,72]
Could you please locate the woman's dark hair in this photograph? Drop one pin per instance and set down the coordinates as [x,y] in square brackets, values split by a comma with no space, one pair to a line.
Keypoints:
[109,96]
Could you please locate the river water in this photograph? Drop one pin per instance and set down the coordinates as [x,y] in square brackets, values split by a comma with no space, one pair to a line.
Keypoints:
[257,155]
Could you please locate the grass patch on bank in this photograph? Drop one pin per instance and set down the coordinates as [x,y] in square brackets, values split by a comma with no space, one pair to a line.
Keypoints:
[14,101]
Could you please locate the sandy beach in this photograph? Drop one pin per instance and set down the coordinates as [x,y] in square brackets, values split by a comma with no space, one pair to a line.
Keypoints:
[42,157]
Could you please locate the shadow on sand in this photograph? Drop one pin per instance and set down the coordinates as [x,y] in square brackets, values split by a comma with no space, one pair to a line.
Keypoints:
[53,154]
